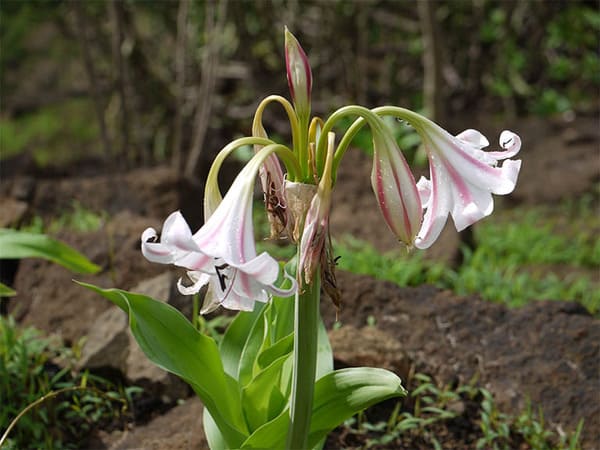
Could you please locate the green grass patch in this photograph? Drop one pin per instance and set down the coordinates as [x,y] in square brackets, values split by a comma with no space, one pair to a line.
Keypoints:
[77,218]
[46,131]
[429,408]
[32,366]
[542,253]
[524,255]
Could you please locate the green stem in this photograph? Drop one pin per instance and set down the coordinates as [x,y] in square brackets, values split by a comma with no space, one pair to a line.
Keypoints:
[306,176]
[364,114]
[289,109]
[305,362]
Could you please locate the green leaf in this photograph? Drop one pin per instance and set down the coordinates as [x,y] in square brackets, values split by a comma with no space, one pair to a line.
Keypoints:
[271,435]
[338,396]
[251,349]
[342,393]
[324,352]
[19,244]
[171,342]
[262,399]
[214,437]
[5,291]
[235,338]
[280,348]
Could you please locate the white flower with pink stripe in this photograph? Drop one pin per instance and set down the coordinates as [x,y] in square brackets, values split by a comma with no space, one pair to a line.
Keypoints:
[463,177]
[221,253]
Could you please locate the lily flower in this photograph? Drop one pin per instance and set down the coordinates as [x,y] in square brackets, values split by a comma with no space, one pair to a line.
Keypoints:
[299,75]
[394,186]
[221,253]
[316,224]
[463,177]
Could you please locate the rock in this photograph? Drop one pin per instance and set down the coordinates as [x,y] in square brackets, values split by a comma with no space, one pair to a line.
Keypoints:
[14,212]
[110,344]
[48,299]
[179,429]
[369,347]
[158,287]
[107,343]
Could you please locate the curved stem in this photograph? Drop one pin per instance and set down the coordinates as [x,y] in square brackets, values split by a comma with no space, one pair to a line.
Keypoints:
[289,109]
[365,114]
[414,119]
[305,362]
[212,195]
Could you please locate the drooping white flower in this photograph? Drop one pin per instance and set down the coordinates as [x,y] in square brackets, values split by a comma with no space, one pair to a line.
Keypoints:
[222,252]
[463,177]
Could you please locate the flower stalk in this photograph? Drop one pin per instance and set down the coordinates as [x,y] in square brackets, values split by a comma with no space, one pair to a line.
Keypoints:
[305,361]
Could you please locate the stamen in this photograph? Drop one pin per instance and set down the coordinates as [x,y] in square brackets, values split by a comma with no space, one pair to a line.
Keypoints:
[222,277]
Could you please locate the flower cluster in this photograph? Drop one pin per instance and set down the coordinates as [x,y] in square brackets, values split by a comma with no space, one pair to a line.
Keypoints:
[222,253]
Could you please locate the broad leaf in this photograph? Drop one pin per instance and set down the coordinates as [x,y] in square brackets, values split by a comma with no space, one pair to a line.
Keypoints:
[338,396]
[342,393]
[324,352]
[19,244]
[262,399]
[272,435]
[171,342]
[280,348]
[251,349]
[236,336]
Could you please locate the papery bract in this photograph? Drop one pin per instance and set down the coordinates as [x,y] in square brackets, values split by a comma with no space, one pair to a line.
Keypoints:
[272,184]
[316,224]
[394,186]
[222,253]
[463,177]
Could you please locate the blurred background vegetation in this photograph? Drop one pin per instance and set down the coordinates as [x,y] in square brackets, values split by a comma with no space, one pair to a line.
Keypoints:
[141,82]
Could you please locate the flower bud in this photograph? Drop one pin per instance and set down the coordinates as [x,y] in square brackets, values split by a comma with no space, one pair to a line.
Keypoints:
[299,75]
[394,186]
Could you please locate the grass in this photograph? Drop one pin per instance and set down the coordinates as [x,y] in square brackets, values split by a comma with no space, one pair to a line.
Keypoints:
[32,366]
[429,409]
[77,218]
[44,132]
[525,255]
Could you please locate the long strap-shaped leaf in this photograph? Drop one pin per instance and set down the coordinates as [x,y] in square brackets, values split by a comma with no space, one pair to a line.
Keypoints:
[338,396]
[170,341]
[19,244]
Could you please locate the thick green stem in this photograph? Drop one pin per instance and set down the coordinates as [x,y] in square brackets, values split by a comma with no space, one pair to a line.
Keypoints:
[305,362]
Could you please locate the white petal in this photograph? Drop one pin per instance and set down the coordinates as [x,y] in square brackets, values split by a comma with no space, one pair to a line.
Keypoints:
[474,138]
[438,207]
[468,210]
[510,142]
[264,268]
[199,280]
[279,292]
[155,251]
[424,188]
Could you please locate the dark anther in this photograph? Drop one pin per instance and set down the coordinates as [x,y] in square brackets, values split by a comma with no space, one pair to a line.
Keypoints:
[222,277]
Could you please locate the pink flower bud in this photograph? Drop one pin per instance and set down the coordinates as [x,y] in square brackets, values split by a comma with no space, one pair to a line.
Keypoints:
[299,75]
